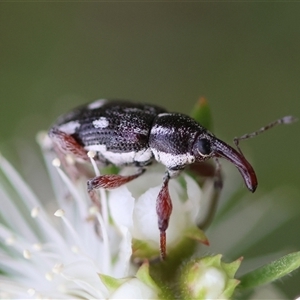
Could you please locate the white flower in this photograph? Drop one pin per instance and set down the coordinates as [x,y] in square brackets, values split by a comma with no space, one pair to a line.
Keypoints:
[62,249]
[42,259]
[139,202]
[72,247]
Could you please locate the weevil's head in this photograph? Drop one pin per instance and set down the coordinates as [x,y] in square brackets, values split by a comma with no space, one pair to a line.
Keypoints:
[207,145]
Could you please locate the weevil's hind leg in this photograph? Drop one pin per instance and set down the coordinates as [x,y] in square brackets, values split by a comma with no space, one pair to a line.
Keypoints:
[108,181]
[163,210]
[64,144]
[111,181]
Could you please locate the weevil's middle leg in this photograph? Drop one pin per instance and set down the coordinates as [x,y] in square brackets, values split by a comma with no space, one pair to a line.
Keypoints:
[111,181]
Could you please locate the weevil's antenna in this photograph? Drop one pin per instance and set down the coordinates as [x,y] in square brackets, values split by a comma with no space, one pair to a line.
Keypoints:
[284,120]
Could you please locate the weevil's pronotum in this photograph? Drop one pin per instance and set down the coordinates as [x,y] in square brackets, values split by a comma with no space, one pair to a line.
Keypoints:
[129,134]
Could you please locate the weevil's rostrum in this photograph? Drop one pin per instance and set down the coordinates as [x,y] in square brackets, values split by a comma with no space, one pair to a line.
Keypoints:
[124,133]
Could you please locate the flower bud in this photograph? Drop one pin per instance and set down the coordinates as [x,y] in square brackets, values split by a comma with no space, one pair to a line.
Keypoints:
[209,278]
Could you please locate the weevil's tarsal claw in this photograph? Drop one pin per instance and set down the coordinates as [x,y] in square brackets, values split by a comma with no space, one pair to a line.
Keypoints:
[222,149]
[163,210]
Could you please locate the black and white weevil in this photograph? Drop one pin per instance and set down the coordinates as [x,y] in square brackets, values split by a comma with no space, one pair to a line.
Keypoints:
[123,133]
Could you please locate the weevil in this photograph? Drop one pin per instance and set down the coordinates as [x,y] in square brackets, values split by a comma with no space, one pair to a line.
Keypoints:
[123,133]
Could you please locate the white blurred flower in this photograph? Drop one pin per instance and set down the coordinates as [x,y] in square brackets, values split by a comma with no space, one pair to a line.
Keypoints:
[63,250]
[70,247]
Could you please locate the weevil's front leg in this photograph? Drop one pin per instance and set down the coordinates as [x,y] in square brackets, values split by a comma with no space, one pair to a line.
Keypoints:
[63,145]
[163,210]
[111,181]
[67,144]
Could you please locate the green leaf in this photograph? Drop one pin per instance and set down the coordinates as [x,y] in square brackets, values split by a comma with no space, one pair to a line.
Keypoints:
[143,250]
[111,169]
[202,114]
[271,272]
[112,283]
[144,276]
[196,234]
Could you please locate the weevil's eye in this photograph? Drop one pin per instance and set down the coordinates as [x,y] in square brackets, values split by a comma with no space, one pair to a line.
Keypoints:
[203,147]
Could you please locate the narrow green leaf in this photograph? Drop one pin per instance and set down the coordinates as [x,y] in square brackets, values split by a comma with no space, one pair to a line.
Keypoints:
[271,272]
[202,114]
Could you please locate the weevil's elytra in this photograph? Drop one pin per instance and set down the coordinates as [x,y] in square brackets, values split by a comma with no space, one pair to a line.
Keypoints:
[124,133]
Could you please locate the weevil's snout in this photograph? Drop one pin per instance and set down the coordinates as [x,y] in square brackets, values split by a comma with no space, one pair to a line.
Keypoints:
[221,149]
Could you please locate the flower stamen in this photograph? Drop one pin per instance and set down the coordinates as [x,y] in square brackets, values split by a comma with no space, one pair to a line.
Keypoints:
[31,292]
[10,240]
[60,213]
[37,246]
[27,254]
[58,268]
[34,212]
[106,254]
[49,276]
[103,199]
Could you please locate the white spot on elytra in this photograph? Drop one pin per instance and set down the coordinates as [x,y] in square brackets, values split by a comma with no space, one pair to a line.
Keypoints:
[70,127]
[96,104]
[102,122]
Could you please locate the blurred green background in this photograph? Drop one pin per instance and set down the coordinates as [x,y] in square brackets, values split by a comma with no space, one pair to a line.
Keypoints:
[243,57]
